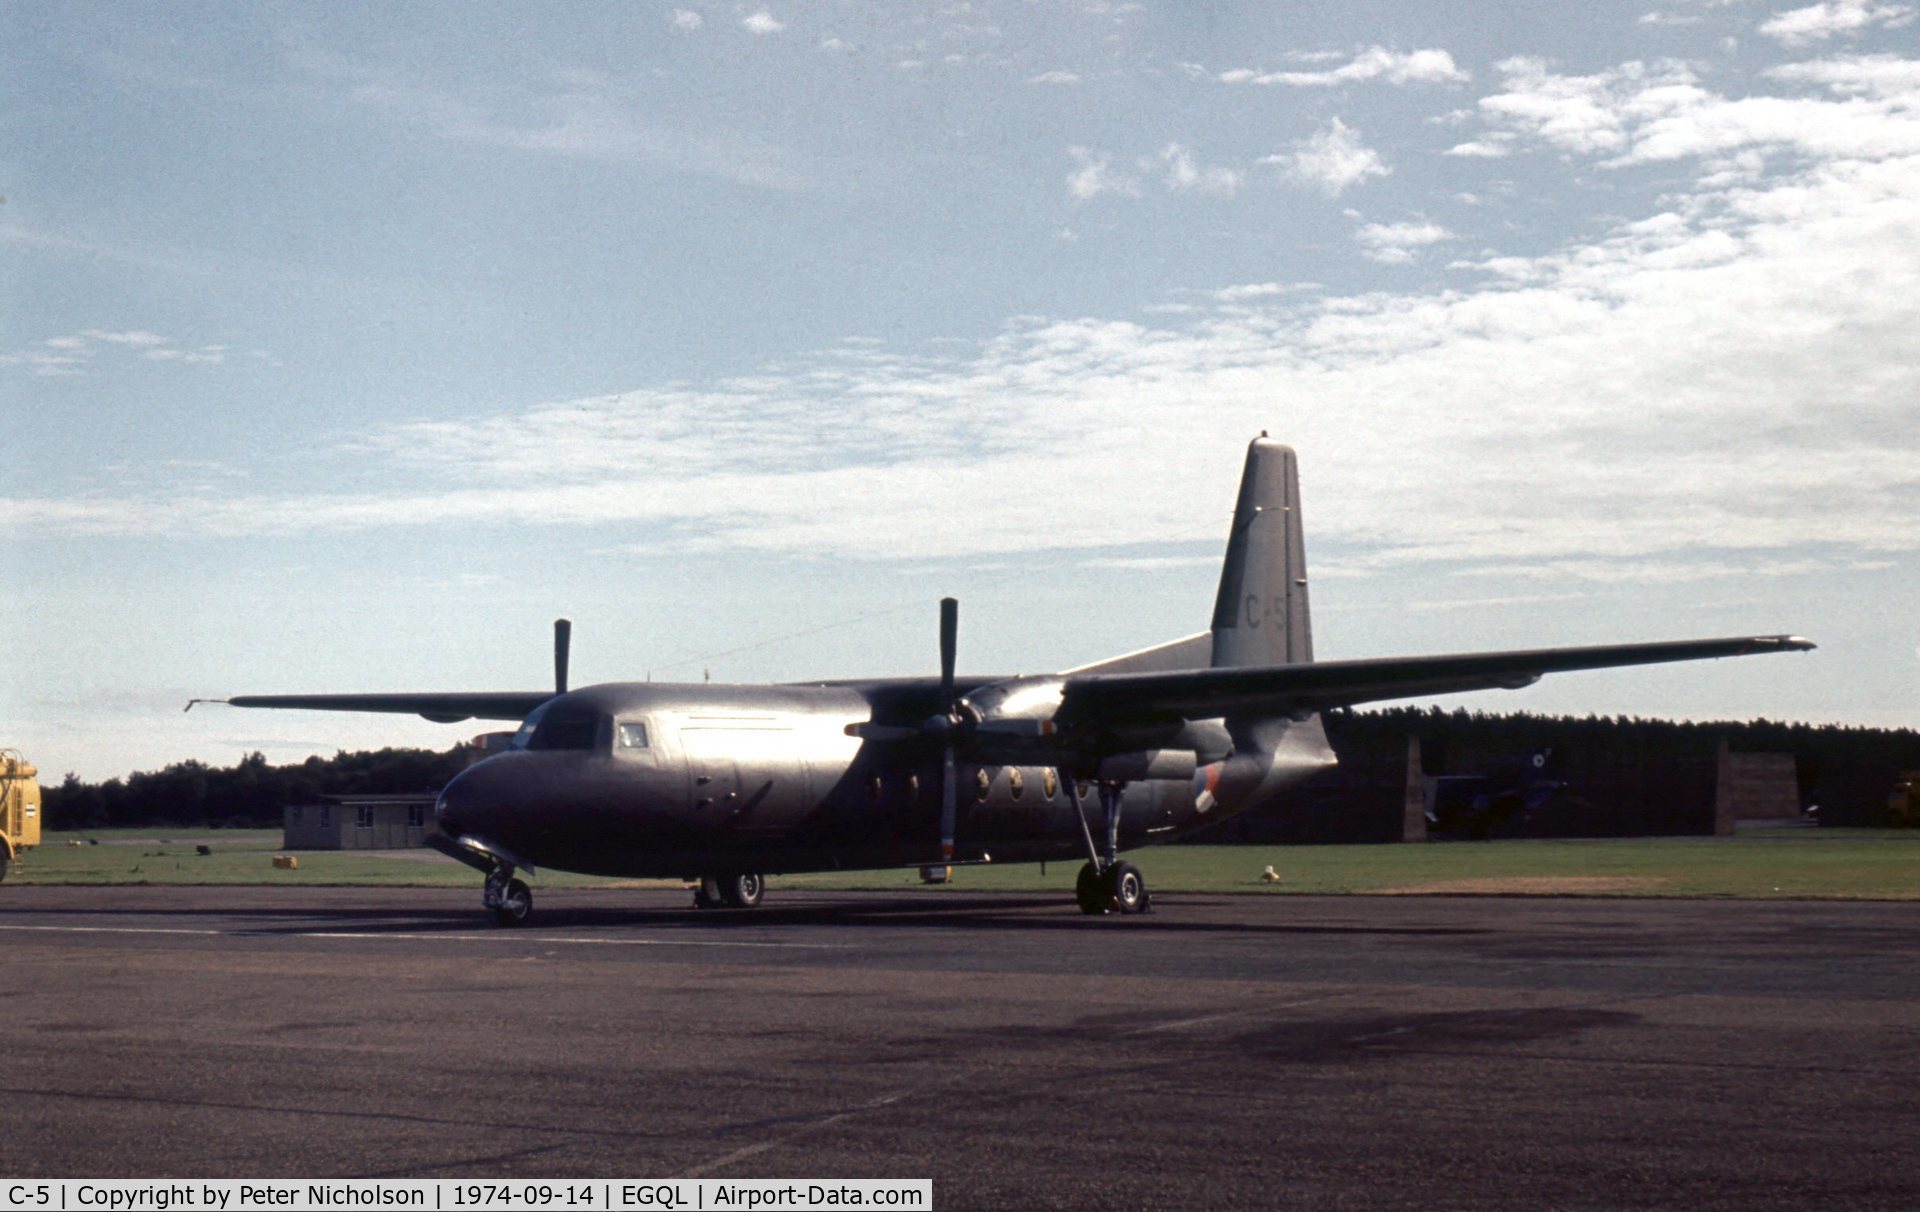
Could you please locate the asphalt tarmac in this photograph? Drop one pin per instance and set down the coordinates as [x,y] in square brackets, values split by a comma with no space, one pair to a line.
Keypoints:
[1223,1052]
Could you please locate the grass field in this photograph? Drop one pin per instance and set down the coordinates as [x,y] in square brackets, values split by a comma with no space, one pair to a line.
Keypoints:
[1783,864]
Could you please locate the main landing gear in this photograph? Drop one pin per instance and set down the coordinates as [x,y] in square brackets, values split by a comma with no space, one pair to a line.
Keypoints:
[739,891]
[1105,884]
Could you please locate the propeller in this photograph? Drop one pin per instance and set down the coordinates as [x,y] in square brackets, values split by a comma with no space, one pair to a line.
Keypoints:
[949,715]
[562,645]
[944,725]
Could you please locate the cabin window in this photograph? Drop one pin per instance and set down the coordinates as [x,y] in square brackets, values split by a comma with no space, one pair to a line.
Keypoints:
[1015,782]
[632,734]
[874,788]
[913,789]
[983,783]
[1049,782]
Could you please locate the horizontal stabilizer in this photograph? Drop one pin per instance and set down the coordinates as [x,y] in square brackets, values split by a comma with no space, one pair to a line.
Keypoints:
[1190,652]
[1299,690]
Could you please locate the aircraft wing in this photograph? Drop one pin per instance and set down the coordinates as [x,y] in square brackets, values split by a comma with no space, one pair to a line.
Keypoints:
[1299,690]
[440,708]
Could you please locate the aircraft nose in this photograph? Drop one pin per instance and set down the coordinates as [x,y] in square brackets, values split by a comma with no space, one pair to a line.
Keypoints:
[456,805]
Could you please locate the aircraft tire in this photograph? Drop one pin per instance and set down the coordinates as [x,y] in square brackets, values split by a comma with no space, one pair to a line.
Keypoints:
[1090,891]
[515,906]
[1127,888]
[743,891]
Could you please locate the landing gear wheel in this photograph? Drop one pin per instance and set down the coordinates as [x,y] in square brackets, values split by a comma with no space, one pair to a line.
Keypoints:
[743,891]
[1126,888]
[1088,891]
[516,903]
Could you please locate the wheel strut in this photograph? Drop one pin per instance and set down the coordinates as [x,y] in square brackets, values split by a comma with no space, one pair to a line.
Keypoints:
[1105,884]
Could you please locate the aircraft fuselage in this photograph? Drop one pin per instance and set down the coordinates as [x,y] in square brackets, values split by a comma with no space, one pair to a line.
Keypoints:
[641,779]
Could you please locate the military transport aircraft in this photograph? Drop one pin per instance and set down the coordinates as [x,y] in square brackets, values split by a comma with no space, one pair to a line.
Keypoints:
[721,785]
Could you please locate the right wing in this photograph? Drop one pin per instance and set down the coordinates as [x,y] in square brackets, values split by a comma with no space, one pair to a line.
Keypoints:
[1300,690]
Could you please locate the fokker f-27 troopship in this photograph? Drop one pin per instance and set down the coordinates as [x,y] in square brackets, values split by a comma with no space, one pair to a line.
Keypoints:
[721,785]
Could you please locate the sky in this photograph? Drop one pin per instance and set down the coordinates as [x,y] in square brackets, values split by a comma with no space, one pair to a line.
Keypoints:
[343,347]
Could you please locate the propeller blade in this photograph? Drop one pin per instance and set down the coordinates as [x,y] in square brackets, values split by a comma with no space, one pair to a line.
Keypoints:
[562,646]
[949,645]
[949,794]
[949,803]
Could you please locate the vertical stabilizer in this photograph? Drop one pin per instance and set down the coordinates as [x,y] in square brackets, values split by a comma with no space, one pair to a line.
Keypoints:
[1260,616]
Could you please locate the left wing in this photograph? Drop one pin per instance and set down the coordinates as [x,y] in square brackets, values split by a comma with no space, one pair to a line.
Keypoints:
[440,708]
[1300,690]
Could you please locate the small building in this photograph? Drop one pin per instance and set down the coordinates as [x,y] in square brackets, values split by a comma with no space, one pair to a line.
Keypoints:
[361,822]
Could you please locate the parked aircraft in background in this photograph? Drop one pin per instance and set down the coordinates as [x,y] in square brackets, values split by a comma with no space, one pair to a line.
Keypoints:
[725,784]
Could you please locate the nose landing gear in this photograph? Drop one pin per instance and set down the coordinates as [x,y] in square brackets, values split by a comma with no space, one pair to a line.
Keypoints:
[508,899]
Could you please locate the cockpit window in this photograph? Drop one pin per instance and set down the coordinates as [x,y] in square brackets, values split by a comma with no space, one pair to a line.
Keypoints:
[563,726]
[631,734]
[524,736]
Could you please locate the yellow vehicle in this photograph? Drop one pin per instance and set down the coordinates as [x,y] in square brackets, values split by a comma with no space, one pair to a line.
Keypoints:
[19,808]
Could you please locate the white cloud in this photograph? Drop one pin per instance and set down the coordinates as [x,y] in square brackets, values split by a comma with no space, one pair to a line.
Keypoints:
[1260,290]
[1871,75]
[1490,148]
[762,22]
[1640,113]
[137,337]
[1094,175]
[1332,160]
[47,365]
[1055,77]
[1722,383]
[1701,387]
[1396,243]
[1818,22]
[687,19]
[1374,63]
[1183,174]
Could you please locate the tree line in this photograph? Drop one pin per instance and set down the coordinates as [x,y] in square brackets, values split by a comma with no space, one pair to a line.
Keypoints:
[249,794]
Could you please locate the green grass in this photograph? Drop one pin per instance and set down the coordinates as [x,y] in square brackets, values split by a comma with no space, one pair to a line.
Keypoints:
[1801,863]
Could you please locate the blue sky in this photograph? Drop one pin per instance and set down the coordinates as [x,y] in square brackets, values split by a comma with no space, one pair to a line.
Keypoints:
[346,346]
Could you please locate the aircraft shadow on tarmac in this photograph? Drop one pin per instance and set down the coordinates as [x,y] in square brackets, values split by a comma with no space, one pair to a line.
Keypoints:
[942,911]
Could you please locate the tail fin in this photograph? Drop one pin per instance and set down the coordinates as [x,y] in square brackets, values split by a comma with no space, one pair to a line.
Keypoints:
[1260,616]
